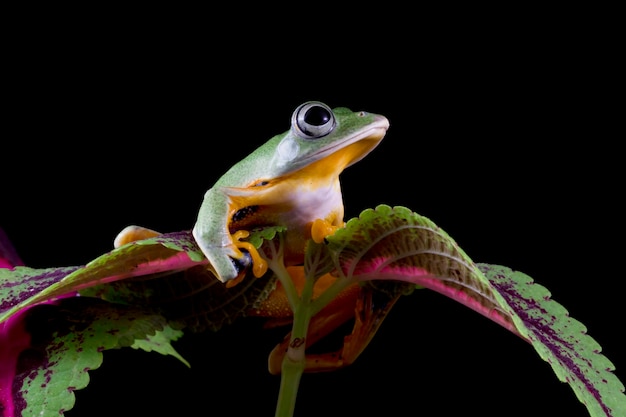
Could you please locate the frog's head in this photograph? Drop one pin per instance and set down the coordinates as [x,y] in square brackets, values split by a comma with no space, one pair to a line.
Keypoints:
[320,144]
[339,137]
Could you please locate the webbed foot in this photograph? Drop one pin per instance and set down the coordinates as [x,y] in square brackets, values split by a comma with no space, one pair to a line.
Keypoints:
[246,254]
[321,228]
[132,234]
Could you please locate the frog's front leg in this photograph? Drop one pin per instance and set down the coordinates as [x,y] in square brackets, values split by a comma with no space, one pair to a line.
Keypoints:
[227,261]
[222,248]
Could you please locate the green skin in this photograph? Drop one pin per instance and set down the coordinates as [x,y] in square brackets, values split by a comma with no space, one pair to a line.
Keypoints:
[291,180]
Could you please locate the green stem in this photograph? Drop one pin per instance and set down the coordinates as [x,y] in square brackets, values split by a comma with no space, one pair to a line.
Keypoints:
[287,283]
[291,372]
[295,360]
[277,265]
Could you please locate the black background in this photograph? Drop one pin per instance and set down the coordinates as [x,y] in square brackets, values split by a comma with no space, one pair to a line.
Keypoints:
[502,137]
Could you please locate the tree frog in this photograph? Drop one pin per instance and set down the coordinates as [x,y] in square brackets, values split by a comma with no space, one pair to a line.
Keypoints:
[292,180]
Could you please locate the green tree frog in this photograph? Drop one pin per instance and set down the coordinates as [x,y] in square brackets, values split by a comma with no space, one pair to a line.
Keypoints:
[292,180]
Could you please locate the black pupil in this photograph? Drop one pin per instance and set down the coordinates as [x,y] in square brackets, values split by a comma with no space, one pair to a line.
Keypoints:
[317,116]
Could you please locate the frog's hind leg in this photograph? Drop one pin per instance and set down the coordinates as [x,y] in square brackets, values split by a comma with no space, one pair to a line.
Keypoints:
[132,234]
[368,309]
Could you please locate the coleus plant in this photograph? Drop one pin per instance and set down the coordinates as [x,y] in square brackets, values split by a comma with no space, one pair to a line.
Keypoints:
[56,322]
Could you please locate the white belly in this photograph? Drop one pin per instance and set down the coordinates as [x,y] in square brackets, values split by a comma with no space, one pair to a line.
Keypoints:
[309,205]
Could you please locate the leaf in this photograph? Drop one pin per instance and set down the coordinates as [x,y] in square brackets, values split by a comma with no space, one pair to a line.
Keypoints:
[260,235]
[165,253]
[67,341]
[397,244]
[162,274]
[560,340]
[160,342]
[193,297]
[20,284]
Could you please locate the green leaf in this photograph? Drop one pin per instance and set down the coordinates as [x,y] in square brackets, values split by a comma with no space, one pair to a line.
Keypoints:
[193,297]
[162,254]
[21,283]
[147,280]
[71,343]
[560,340]
[397,244]
[160,342]
[260,235]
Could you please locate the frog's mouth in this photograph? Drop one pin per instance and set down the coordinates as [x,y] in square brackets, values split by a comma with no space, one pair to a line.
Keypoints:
[323,166]
[331,161]
[353,149]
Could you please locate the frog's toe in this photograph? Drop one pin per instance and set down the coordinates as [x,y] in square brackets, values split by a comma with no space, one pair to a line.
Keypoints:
[242,265]
[132,234]
[260,266]
[320,228]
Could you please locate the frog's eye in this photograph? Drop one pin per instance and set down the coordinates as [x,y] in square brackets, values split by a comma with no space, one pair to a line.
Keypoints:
[313,120]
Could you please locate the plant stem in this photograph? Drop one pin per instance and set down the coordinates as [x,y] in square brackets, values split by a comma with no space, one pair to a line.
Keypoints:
[291,372]
[294,361]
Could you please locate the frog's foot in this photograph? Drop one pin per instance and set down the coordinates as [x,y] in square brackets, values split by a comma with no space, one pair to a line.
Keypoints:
[242,259]
[368,309]
[132,234]
[321,228]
